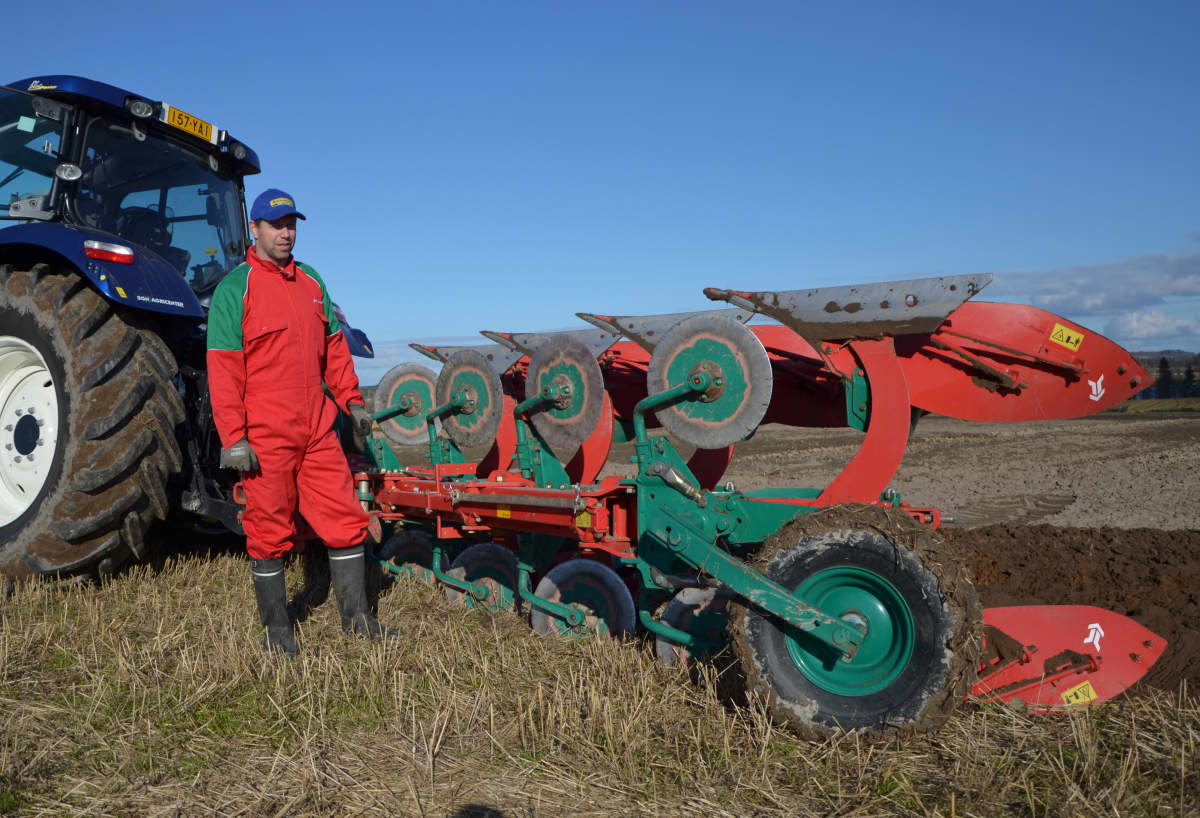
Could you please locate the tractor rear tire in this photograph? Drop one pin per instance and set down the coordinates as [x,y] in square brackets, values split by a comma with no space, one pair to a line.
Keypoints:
[874,567]
[101,436]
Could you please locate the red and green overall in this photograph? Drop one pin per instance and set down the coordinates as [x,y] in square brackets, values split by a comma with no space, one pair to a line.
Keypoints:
[274,343]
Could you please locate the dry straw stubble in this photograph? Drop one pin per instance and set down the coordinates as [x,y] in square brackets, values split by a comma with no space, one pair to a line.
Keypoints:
[150,695]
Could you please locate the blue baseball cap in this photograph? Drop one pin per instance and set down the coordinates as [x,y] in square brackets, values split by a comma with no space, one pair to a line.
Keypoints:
[274,204]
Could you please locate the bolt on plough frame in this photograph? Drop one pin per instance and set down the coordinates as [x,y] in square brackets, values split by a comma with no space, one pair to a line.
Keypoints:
[844,608]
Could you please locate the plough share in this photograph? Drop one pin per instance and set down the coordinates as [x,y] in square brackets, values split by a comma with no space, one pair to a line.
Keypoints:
[844,608]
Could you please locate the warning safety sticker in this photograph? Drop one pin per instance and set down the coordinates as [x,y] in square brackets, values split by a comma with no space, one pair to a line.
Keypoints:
[1079,694]
[1064,336]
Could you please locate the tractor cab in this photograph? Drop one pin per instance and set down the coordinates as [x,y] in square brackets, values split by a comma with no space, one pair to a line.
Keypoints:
[142,176]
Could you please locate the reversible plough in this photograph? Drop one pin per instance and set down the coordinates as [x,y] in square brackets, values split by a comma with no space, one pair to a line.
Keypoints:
[844,609]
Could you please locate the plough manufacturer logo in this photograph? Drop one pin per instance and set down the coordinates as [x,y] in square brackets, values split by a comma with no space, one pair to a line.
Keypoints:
[1094,634]
[1097,388]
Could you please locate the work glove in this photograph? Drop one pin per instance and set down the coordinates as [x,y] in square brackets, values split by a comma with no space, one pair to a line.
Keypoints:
[239,456]
[361,419]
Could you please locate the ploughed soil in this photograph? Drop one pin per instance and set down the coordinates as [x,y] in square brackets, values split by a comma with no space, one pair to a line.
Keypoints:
[1098,511]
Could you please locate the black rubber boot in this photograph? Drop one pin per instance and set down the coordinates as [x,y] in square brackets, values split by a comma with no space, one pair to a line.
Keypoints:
[347,567]
[270,591]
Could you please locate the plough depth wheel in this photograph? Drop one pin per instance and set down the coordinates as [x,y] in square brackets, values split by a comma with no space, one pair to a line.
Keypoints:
[701,612]
[411,552]
[593,588]
[882,571]
[493,566]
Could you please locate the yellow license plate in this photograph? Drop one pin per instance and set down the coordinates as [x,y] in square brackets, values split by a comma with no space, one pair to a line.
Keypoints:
[189,124]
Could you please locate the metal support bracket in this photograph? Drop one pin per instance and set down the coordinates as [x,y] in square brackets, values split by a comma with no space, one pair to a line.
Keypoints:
[572,616]
[844,637]
[477,591]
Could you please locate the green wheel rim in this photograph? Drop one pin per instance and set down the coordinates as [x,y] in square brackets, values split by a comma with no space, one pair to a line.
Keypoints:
[861,596]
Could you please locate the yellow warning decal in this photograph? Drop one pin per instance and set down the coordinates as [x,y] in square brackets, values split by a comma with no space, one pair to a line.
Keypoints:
[121,292]
[504,512]
[583,519]
[1069,338]
[1080,694]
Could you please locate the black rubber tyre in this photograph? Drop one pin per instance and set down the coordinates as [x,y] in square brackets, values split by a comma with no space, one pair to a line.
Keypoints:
[917,568]
[115,446]
[593,588]
[411,551]
[702,612]
[495,566]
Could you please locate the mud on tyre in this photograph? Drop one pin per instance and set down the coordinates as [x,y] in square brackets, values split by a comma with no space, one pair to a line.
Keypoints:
[879,568]
[84,474]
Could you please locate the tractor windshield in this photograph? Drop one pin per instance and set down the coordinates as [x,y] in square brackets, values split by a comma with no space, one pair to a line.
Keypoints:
[29,141]
[180,202]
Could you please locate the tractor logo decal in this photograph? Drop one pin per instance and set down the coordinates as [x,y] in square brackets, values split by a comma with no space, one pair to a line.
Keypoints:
[1094,634]
[282,200]
[1097,388]
[36,85]
[1064,336]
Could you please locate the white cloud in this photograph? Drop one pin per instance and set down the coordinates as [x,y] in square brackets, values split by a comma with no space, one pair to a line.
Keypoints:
[1153,324]
[1105,289]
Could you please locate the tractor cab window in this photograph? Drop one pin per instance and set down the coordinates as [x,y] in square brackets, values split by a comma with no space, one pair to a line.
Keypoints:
[29,142]
[162,195]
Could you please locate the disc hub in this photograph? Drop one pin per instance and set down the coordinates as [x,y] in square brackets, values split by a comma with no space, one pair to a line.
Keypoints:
[414,404]
[716,377]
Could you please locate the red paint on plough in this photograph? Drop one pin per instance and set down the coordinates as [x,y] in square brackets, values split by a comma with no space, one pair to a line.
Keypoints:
[535,510]
[1062,657]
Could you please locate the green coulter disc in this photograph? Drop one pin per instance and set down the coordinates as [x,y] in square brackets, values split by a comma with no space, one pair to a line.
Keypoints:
[476,424]
[416,383]
[566,362]
[734,358]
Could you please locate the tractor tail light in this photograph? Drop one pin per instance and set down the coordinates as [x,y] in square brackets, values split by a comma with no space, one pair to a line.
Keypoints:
[106,251]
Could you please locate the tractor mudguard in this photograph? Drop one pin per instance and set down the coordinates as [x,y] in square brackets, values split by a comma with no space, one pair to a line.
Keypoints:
[149,283]
[359,343]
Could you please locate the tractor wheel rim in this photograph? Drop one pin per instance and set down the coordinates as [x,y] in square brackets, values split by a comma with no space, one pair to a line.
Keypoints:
[28,426]
[861,597]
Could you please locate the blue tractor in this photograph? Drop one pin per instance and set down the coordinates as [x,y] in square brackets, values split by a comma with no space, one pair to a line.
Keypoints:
[121,214]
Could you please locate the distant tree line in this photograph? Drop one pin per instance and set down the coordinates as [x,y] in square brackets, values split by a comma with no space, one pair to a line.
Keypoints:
[1169,383]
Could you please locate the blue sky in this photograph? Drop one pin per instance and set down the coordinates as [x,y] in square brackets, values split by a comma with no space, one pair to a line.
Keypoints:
[487,165]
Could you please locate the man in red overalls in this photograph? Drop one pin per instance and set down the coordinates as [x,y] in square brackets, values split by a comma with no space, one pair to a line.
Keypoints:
[274,344]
